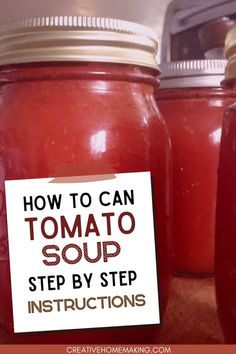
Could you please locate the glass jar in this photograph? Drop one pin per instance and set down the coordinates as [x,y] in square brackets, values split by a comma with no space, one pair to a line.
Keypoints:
[212,37]
[77,98]
[226,206]
[192,103]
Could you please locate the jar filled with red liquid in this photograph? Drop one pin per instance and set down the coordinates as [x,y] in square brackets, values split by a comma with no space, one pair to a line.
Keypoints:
[225,261]
[192,103]
[77,98]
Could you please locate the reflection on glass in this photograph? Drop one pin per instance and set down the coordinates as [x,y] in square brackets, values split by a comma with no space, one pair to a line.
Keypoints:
[98,142]
[215,136]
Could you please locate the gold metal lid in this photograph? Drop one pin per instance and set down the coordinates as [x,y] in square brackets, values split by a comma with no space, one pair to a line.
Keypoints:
[192,73]
[230,54]
[73,38]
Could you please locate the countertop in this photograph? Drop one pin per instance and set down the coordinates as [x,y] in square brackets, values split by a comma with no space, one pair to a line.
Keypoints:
[191,316]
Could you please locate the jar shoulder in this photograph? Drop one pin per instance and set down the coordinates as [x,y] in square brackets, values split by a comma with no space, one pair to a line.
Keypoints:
[194,93]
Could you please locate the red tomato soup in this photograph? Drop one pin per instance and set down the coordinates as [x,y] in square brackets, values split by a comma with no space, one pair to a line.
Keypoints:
[192,103]
[226,207]
[78,99]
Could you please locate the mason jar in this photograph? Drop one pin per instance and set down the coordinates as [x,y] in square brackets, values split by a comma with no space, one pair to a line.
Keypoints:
[77,99]
[192,103]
